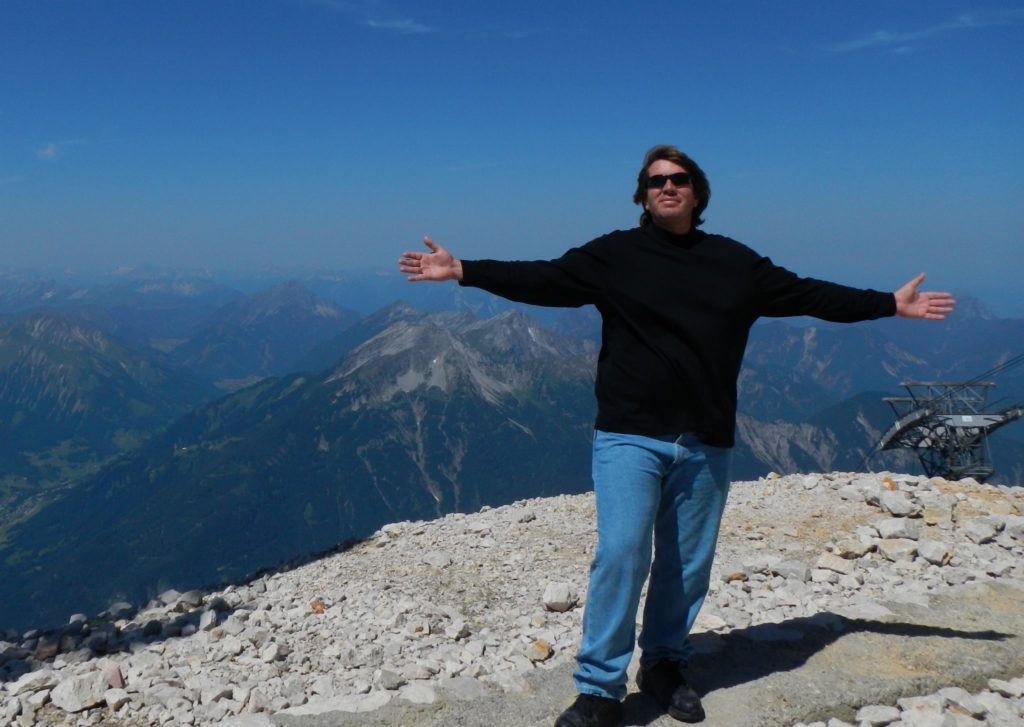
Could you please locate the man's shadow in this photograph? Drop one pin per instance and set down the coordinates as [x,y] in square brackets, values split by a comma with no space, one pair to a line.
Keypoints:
[745,655]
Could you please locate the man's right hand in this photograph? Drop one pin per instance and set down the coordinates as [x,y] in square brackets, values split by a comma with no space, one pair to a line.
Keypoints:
[438,264]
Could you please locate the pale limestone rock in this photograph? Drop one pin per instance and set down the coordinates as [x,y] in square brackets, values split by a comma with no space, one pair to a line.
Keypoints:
[558,597]
[1013,688]
[962,699]
[898,503]
[832,562]
[875,715]
[851,548]
[34,681]
[898,549]
[75,694]
[116,698]
[981,530]
[418,693]
[898,528]
[351,703]
[934,552]
[792,569]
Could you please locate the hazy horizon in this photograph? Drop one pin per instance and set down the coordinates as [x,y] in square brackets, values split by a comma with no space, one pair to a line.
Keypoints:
[860,143]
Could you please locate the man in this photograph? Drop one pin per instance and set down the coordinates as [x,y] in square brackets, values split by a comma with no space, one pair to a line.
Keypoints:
[677,305]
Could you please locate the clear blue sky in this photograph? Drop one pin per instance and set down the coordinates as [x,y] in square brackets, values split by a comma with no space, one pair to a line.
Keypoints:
[860,142]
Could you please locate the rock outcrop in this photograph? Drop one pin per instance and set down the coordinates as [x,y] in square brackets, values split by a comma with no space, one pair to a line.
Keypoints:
[472,606]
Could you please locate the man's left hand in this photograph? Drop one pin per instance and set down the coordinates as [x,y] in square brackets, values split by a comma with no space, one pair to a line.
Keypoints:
[912,303]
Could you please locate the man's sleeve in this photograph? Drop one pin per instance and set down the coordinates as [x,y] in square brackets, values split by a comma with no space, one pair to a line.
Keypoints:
[575,279]
[784,293]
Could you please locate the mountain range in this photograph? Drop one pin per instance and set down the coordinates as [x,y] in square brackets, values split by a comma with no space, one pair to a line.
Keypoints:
[155,478]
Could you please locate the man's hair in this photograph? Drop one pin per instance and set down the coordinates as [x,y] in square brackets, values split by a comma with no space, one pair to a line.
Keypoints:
[699,181]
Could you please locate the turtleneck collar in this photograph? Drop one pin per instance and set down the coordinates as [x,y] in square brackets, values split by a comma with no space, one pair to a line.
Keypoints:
[670,238]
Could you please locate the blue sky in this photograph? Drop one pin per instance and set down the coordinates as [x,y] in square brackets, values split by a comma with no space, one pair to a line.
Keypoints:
[860,142]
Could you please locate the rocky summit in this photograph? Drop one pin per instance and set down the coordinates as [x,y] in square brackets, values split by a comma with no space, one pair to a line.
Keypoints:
[836,599]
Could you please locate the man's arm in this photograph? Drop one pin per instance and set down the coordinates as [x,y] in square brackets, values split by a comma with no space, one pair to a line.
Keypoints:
[575,279]
[784,293]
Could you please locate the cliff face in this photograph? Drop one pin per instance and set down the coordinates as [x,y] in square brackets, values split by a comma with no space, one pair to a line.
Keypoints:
[831,593]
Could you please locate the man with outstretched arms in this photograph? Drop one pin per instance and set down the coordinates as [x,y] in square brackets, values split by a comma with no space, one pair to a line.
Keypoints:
[677,304]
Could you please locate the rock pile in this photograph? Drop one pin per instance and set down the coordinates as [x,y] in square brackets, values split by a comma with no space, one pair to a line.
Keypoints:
[468,604]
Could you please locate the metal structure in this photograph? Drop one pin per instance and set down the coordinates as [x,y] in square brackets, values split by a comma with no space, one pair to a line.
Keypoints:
[946,425]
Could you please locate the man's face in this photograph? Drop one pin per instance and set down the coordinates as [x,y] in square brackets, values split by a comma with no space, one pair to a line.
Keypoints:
[670,206]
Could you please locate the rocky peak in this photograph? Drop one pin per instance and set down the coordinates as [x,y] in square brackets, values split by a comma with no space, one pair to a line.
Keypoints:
[493,357]
[63,333]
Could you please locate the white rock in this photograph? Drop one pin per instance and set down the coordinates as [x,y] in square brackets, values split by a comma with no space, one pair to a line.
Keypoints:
[853,547]
[418,693]
[1014,527]
[271,652]
[464,688]
[116,698]
[898,528]
[207,620]
[898,503]
[792,569]
[898,549]
[980,530]
[833,562]
[824,575]
[75,694]
[934,552]
[875,715]
[927,719]
[34,681]
[38,699]
[962,699]
[559,597]
[1013,688]
[351,703]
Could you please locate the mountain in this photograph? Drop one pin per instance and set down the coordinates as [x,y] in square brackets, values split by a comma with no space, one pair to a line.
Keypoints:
[331,351]
[434,415]
[262,334]
[71,397]
[157,308]
[160,310]
[838,360]
[426,414]
[21,291]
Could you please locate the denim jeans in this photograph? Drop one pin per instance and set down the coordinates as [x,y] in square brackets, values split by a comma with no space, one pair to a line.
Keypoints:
[675,488]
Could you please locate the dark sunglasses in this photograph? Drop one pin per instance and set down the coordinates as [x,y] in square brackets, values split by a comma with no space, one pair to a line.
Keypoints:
[657,181]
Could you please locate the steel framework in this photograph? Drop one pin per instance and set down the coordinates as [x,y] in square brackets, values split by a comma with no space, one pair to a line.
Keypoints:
[945,424]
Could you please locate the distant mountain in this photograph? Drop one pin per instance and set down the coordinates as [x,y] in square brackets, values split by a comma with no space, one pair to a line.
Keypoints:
[21,291]
[71,397]
[839,360]
[334,349]
[430,416]
[261,335]
[158,309]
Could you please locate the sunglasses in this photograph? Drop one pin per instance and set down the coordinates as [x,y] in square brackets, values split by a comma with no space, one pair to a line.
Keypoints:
[657,181]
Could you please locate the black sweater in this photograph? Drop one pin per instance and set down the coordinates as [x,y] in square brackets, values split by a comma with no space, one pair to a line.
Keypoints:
[676,313]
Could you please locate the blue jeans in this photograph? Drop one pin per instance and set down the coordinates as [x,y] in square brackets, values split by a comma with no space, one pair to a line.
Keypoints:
[674,487]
